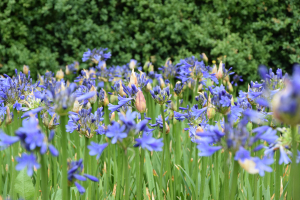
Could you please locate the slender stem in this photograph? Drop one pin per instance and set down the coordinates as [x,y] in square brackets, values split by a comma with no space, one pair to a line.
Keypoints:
[196,170]
[234,179]
[140,168]
[177,134]
[126,173]
[164,149]
[277,176]
[226,168]
[44,173]
[203,175]
[37,184]
[294,171]
[64,146]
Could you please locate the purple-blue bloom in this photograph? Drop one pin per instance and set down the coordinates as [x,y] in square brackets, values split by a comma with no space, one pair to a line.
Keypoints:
[96,149]
[150,143]
[29,161]
[116,132]
[6,140]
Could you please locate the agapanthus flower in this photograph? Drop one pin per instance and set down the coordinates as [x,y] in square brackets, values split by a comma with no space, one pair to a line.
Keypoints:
[161,96]
[148,142]
[32,138]
[85,122]
[96,149]
[221,99]
[98,56]
[29,161]
[116,132]
[6,140]
[236,79]
[75,173]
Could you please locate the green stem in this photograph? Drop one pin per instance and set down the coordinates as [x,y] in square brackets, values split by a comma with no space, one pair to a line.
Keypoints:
[164,150]
[64,140]
[277,176]
[37,184]
[44,173]
[226,168]
[177,134]
[140,168]
[126,173]
[196,172]
[234,178]
[294,172]
[203,175]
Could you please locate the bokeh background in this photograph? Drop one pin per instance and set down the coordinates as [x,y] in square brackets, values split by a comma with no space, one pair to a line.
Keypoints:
[49,34]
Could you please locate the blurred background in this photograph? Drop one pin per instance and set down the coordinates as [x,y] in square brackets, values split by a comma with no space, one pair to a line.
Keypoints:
[50,34]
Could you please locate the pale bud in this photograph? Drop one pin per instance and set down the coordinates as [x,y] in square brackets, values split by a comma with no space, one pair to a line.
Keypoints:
[59,74]
[204,57]
[211,112]
[112,117]
[8,116]
[67,70]
[132,64]
[121,91]
[106,101]
[140,102]
[25,69]
[167,128]
[227,78]
[249,166]
[77,107]
[148,87]
[133,79]
[229,86]
[50,125]
[88,105]
[94,98]
[168,61]
[162,83]
[219,74]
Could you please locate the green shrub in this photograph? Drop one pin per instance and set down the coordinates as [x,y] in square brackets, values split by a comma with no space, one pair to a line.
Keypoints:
[48,34]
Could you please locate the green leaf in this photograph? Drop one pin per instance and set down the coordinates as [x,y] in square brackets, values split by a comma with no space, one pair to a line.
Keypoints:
[24,185]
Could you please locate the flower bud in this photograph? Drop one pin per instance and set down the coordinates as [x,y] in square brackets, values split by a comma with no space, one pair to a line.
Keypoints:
[132,64]
[148,87]
[67,70]
[162,83]
[9,116]
[168,62]
[88,105]
[25,69]
[77,107]
[219,74]
[59,74]
[249,166]
[211,112]
[94,98]
[229,86]
[112,117]
[204,57]
[133,79]
[167,128]
[51,123]
[140,102]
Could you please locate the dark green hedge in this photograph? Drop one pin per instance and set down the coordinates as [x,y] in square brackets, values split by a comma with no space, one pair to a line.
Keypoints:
[48,34]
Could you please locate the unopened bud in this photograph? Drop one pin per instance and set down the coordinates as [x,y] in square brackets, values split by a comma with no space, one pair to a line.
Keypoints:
[229,86]
[140,102]
[112,117]
[8,116]
[204,57]
[88,105]
[25,69]
[132,64]
[167,128]
[162,83]
[51,123]
[133,79]
[59,74]
[211,112]
[77,107]
[219,74]
[168,62]
[67,70]
[148,87]
[94,98]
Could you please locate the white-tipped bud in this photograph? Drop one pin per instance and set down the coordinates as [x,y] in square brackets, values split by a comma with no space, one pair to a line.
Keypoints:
[219,74]
[204,57]
[59,74]
[133,79]
[77,107]
[162,83]
[140,102]
[25,69]
[112,117]
[229,86]
[94,98]
[132,64]
[148,87]
[67,70]
[249,166]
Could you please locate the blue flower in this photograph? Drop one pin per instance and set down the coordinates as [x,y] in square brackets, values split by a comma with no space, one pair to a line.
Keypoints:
[74,173]
[116,132]
[150,143]
[283,156]
[161,96]
[17,106]
[6,140]
[262,164]
[28,161]
[96,149]
[207,150]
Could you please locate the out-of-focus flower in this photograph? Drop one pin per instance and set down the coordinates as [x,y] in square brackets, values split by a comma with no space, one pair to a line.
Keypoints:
[150,143]
[96,149]
[75,173]
[29,161]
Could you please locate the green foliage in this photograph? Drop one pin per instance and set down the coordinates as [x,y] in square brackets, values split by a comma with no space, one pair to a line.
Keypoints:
[49,34]
[24,185]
